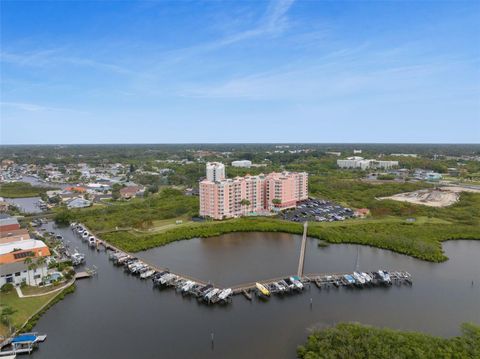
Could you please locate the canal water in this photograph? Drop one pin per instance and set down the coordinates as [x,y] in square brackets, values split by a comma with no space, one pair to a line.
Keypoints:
[115,315]
[26,204]
[37,182]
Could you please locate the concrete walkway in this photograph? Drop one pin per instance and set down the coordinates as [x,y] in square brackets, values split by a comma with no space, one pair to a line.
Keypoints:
[21,295]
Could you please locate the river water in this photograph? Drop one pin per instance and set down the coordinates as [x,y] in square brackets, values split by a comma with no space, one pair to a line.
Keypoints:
[26,204]
[37,182]
[115,315]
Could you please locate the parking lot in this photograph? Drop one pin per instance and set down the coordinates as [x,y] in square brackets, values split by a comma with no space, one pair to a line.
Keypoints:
[317,210]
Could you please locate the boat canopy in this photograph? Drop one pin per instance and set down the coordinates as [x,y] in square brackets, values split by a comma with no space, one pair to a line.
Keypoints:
[26,338]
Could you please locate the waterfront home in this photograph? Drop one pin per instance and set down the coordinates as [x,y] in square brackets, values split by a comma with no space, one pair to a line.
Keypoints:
[19,272]
[17,251]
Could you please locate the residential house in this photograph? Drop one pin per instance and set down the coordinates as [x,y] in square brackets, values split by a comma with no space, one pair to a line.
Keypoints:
[78,203]
[131,192]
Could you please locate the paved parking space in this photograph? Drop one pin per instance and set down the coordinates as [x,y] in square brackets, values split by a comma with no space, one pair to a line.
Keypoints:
[317,210]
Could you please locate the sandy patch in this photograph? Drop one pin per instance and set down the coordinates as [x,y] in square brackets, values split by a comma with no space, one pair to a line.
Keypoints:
[438,197]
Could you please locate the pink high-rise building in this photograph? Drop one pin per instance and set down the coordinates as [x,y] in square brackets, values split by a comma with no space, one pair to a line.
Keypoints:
[226,198]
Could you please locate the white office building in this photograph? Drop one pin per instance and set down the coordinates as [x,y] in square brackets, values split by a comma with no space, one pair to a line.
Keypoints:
[363,164]
[215,171]
[242,163]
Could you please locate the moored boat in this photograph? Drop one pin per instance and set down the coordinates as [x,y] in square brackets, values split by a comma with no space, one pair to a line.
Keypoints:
[262,289]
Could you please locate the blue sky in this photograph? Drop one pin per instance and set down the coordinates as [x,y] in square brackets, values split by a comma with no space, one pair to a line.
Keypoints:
[240,71]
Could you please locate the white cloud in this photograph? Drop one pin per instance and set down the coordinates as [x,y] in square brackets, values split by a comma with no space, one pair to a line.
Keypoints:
[32,107]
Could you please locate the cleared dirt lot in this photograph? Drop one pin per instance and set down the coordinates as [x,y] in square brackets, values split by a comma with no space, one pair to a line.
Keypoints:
[438,197]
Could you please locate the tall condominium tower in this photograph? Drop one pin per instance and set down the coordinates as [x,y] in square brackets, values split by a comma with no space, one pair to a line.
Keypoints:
[235,197]
[215,171]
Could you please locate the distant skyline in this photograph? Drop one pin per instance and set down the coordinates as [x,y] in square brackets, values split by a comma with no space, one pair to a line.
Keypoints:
[239,72]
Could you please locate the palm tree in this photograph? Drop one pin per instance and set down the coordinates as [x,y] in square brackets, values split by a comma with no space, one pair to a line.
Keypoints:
[244,203]
[41,263]
[276,202]
[33,266]
[28,262]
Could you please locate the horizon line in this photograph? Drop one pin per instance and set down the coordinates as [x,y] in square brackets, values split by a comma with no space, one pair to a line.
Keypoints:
[237,143]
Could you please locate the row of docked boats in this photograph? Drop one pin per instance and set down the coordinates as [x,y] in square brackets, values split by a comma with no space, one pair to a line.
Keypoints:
[283,286]
[84,234]
[63,250]
[364,279]
[203,292]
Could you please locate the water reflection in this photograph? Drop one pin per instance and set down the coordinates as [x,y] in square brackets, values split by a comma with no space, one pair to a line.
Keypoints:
[120,316]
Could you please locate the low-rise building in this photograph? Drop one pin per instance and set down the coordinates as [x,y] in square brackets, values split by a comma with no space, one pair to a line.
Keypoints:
[17,251]
[14,235]
[8,224]
[17,273]
[78,203]
[413,155]
[363,164]
[131,192]
[242,163]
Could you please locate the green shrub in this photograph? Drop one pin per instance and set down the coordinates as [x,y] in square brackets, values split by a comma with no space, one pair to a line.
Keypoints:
[360,341]
[7,288]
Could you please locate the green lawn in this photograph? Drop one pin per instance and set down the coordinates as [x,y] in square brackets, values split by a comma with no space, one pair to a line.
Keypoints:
[30,290]
[20,189]
[360,341]
[23,307]
[139,214]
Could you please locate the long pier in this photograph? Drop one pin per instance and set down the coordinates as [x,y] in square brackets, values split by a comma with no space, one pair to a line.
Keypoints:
[301,260]
[313,277]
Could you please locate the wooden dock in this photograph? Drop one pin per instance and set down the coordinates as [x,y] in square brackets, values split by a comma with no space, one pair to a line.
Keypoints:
[82,275]
[109,246]
[301,260]
[247,294]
